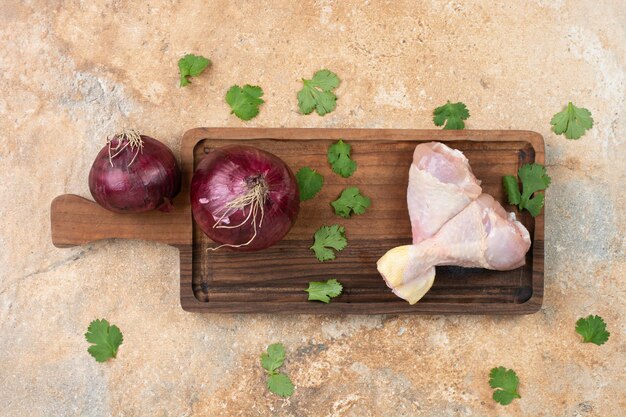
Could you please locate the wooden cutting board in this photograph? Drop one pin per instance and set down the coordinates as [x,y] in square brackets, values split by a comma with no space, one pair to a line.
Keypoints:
[273,280]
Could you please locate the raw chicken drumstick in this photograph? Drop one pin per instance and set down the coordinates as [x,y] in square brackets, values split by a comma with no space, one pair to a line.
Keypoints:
[441,184]
[479,234]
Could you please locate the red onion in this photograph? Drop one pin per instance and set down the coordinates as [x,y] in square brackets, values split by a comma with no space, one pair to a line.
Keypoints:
[244,198]
[134,173]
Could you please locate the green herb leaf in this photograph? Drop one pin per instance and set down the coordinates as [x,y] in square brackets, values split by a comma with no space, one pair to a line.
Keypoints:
[452,114]
[592,329]
[572,122]
[309,183]
[273,358]
[245,101]
[339,159]
[191,66]
[316,93]
[534,205]
[507,381]
[351,201]
[512,189]
[280,384]
[504,397]
[534,178]
[328,238]
[105,340]
[324,291]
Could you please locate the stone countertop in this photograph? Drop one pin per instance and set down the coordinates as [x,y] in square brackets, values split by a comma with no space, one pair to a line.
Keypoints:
[73,72]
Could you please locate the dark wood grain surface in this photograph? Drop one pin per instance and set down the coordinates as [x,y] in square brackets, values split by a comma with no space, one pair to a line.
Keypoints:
[273,280]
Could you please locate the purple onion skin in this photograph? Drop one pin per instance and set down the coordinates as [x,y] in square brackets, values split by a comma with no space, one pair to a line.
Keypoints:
[150,182]
[221,176]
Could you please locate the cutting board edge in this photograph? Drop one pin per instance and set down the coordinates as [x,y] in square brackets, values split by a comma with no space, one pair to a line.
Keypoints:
[195,306]
[192,136]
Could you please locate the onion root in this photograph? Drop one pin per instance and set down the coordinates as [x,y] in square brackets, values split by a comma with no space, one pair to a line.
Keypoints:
[255,200]
[132,139]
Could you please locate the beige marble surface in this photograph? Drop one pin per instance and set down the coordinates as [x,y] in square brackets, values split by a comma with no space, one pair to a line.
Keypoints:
[72,72]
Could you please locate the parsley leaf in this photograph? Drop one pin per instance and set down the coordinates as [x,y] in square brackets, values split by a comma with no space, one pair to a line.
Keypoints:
[507,381]
[452,114]
[534,205]
[191,66]
[324,291]
[245,101]
[339,159]
[271,360]
[351,201]
[280,384]
[309,183]
[572,122]
[592,329]
[512,189]
[328,238]
[105,340]
[534,178]
[316,93]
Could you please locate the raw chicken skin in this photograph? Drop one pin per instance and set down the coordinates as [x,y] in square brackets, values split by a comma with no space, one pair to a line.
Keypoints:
[441,184]
[453,223]
[483,235]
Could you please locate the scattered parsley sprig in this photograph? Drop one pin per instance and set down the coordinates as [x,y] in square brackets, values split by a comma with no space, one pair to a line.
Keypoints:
[351,201]
[452,114]
[278,383]
[309,183]
[191,66]
[534,178]
[328,238]
[339,158]
[507,382]
[593,330]
[105,339]
[245,101]
[324,290]
[572,122]
[317,94]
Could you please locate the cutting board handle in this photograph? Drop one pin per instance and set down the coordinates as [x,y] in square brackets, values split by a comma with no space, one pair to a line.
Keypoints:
[77,221]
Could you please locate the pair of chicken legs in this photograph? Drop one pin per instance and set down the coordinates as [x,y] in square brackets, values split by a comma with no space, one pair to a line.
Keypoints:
[453,223]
